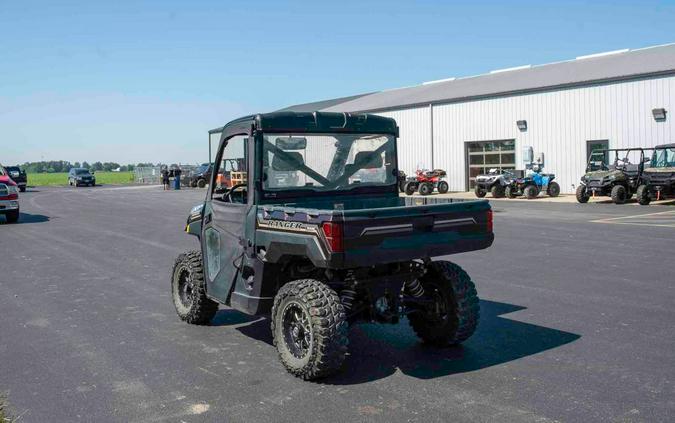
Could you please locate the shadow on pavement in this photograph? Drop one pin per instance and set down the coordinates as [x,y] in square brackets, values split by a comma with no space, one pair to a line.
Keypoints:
[27,218]
[377,351]
[230,317]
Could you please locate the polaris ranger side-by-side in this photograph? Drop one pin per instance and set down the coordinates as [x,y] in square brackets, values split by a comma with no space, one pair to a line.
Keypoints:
[658,180]
[331,243]
[616,173]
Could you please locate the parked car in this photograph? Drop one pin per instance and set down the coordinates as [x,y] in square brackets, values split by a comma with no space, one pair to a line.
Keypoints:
[80,176]
[18,175]
[326,250]
[9,197]
[658,180]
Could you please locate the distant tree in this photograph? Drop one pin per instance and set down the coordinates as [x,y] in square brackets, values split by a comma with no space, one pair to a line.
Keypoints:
[76,164]
[86,165]
[97,166]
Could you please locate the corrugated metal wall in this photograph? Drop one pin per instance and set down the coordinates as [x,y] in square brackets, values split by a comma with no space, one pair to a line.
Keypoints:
[559,124]
[414,143]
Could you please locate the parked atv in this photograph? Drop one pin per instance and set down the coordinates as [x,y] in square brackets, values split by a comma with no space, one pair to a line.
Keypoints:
[328,249]
[618,179]
[658,180]
[495,182]
[426,181]
[532,185]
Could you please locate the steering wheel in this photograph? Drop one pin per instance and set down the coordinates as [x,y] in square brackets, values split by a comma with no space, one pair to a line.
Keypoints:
[227,197]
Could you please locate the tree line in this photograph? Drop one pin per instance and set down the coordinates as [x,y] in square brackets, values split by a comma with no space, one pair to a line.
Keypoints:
[59,166]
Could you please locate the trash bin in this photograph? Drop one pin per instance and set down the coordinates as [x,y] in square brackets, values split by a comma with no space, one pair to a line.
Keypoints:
[176,181]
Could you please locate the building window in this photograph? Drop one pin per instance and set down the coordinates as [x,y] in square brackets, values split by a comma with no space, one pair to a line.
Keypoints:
[485,155]
[594,145]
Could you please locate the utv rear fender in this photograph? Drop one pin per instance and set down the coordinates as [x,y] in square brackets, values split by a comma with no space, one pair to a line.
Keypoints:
[280,245]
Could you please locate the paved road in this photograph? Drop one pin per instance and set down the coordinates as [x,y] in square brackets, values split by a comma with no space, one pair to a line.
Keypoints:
[577,325]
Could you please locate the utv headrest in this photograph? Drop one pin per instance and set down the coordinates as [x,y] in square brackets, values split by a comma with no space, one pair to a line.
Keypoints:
[289,161]
[368,160]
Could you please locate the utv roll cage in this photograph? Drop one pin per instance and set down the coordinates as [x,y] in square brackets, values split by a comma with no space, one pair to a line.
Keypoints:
[254,126]
[663,147]
[606,166]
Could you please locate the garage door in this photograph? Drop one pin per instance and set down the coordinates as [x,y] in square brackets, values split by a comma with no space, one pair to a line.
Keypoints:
[481,156]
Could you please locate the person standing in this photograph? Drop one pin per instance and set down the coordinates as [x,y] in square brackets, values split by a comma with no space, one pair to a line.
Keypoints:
[165,178]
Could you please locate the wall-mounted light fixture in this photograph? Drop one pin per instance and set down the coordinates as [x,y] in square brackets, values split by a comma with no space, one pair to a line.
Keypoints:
[522,125]
[659,114]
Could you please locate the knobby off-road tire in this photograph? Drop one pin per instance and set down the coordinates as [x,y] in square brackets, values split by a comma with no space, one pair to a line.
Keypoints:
[452,288]
[426,188]
[410,188]
[619,194]
[22,189]
[553,189]
[12,216]
[319,346]
[443,187]
[510,192]
[188,289]
[582,194]
[201,183]
[531,192]
[480,192]
[497,191]
[642,195]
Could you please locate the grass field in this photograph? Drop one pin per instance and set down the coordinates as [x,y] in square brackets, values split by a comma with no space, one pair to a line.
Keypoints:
[4,417]
[116,178]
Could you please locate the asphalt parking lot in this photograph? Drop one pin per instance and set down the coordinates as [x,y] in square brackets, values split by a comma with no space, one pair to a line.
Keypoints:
[577,324]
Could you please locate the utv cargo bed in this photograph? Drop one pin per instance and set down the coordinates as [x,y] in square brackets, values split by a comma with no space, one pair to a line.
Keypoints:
[373,231]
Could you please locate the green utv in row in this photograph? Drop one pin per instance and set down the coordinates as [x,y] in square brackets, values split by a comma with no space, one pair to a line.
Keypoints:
[658,180]
[616,173]
[319,239]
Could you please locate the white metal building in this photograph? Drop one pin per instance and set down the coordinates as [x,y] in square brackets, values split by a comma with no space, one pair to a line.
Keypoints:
[468,125]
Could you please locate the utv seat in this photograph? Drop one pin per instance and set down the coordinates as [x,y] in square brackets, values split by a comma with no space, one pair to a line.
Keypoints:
[631,170]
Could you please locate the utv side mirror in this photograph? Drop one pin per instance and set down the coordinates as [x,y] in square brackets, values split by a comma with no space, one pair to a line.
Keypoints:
[646,159]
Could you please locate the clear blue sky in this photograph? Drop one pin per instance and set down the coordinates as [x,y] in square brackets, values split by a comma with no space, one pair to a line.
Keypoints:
[144,80]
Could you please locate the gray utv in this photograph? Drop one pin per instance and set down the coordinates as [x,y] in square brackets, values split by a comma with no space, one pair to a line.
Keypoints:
[317,237]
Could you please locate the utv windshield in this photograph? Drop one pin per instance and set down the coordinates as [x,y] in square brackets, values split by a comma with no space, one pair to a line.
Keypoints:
[327,162]
[663,158]
[81,172]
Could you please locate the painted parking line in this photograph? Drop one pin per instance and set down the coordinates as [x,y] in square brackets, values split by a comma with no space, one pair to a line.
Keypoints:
[664,219]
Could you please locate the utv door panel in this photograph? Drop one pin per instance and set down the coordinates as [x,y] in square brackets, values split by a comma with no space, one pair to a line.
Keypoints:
[224,246]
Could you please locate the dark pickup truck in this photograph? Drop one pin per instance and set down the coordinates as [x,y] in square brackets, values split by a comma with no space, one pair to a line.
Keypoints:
[18,175]
[317,236]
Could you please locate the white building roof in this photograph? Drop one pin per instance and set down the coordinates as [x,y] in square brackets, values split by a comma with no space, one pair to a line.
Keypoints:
[592,69]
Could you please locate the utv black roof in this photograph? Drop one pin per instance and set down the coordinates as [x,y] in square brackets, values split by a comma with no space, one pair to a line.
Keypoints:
[300,122]
[658,147]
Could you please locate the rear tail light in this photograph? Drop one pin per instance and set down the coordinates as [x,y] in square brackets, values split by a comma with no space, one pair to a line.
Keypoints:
[333,233]
[489,221]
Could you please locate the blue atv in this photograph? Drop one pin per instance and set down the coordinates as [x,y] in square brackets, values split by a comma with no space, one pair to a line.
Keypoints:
[531,185]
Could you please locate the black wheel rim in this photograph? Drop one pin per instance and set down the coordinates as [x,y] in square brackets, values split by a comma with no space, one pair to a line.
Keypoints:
[297,330]
[439,308]
[185,288]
